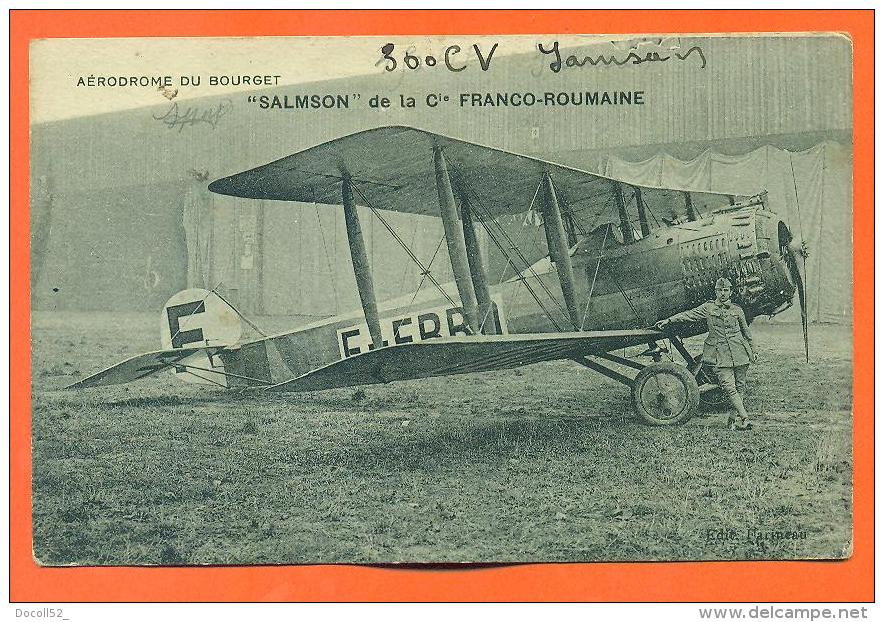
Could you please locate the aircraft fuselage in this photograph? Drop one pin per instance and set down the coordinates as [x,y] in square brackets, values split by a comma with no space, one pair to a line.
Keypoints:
[618,286]
[674,268]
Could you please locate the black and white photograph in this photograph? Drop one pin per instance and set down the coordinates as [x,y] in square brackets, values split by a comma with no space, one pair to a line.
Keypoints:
[441,300]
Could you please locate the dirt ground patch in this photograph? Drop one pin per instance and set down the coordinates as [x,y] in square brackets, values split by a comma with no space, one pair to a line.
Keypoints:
[545,463]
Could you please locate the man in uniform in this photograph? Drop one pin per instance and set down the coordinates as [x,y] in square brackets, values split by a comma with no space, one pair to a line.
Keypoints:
[728,348]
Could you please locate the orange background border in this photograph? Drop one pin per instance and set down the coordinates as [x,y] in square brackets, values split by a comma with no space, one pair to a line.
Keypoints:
[850,580]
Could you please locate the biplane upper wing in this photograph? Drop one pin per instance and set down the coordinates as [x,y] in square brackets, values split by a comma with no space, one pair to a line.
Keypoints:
[461,355]
[141,366]
[392,168]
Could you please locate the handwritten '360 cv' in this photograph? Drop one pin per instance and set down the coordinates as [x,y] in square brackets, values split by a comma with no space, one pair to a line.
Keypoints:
[452,62]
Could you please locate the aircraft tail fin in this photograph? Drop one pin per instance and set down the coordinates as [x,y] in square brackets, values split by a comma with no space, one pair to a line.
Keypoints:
[199,317]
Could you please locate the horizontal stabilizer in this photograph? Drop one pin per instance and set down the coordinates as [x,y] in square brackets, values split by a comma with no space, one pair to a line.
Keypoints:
[141,366]
[461,355]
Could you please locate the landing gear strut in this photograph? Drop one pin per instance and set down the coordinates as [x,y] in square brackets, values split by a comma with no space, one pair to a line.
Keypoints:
[663,393]
[710,394]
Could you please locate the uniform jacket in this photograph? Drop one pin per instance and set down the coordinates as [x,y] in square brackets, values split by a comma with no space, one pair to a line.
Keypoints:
[729,342]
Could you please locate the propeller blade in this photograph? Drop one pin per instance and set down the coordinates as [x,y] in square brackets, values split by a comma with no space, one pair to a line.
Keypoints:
[796,270]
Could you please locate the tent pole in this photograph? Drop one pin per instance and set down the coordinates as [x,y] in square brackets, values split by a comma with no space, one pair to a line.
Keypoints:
[558,247]
[361,267]
[454,238]
[689,206]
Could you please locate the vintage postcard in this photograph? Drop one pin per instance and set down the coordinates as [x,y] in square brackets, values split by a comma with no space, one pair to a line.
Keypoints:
[441,299]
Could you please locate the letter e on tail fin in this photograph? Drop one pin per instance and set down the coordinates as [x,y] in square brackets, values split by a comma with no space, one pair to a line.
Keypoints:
[198,317]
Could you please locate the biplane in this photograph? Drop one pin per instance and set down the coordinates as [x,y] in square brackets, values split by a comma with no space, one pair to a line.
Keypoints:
[619,257]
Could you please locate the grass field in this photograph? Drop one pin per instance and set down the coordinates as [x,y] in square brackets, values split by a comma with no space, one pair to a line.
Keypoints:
[545,463]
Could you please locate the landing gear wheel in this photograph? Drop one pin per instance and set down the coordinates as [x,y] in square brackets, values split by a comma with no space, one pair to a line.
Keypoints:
[665,394]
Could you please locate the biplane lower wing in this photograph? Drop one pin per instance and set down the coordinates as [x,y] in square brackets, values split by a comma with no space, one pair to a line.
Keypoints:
[145,365]
[461,355]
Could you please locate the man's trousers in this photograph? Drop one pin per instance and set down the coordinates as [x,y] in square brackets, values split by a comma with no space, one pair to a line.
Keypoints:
[732,381]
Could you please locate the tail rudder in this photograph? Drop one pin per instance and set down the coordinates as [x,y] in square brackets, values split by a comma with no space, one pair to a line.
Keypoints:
[199,318]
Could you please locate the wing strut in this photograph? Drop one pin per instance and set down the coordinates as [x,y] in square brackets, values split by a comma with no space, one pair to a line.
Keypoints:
[558,247]
[642,212]
[361,267]
[498,235]
[477,267]
[625,228]
[454,237]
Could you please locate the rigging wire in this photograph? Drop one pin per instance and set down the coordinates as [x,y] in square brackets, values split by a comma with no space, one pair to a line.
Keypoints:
[226,374]
[520,275]
[202,301]
[594,276]
[506,266]
[531,204]
[332,273]
[617,283]
[518,252]
[533,237]
[209,380]
[300,213]
[405,265]
[237,311]
[650,211]
[523,235]
[625,297]
[429,266]
[404,246]
[606,207]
